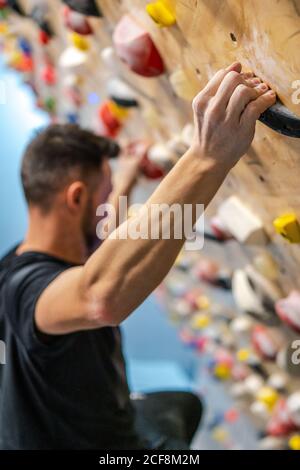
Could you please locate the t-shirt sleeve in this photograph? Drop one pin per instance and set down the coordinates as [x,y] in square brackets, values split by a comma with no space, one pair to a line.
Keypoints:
[22,292]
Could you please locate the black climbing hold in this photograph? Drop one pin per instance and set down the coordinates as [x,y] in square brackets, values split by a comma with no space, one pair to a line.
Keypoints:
[125,103]
[15,5]
[86,7]
[39,15]
[211,237]
[259,369]
[279,118]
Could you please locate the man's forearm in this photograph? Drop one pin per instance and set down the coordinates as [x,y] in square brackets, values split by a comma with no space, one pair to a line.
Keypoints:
[124,271]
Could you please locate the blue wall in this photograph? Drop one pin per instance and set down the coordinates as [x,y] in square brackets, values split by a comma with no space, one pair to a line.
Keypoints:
[18,120]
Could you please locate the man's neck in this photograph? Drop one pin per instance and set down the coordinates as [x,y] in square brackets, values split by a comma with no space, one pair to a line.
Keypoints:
[49,234]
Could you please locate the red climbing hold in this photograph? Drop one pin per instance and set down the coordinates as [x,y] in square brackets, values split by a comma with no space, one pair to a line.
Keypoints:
[112,125]
[281,423]
[44,38]
[136,48]
[148,168]
[48,75]
[76,22]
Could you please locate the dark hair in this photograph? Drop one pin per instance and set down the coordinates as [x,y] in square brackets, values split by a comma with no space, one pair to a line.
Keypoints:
[54,154]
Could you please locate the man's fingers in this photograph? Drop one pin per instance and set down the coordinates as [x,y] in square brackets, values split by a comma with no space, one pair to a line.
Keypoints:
[227,87]
[235,66]
[242,96]
[213,85]
[230,84]
[253,81]
[247,75]
[201,100]
[255,108]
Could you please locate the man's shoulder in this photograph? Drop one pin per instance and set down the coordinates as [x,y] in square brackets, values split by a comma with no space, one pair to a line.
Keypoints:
[6,264]
[8,257]
[23,278]
[29,264]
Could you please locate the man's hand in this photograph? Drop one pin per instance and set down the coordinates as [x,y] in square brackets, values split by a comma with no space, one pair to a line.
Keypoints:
[125,178]
[129,166]
[225,114]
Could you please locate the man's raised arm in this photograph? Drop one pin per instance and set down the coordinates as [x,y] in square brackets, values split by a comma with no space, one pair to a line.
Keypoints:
[118,277]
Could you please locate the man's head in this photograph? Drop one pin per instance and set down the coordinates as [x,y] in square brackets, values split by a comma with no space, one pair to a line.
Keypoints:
[65,171]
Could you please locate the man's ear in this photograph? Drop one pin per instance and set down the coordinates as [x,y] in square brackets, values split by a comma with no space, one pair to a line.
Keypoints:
[76,196]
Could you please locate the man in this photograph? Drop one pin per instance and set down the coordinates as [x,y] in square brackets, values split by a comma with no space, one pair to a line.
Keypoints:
[64,384]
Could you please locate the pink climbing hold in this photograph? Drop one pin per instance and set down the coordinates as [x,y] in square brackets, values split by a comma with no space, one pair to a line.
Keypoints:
[288,310]
[191,297]
[207,270]
[264,343]
[219,230]
[231,415]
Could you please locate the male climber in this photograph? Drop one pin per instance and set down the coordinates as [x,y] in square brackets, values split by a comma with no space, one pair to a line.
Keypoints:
[64,385]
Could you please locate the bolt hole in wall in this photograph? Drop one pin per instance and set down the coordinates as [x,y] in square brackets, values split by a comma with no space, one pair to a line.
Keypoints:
[233,37]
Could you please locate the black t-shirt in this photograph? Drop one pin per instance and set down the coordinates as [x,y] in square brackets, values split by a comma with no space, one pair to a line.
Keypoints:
[66,392]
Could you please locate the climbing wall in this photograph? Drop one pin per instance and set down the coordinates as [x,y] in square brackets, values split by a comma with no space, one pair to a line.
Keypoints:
[162,53]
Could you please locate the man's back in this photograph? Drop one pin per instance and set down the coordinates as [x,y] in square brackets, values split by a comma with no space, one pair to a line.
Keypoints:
[67,391]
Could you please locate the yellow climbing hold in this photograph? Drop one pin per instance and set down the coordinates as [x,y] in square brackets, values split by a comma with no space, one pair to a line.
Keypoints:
[4,29]
[118,111]
[220,434]
[79,41]
[222,371]
[200,321]
[268,396]
[288,227]
[294,442]
[202,302]
[14,58]
[243,355]
[161,12]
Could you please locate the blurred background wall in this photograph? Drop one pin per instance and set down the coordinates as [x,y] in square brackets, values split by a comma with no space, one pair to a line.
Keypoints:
[18,121]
